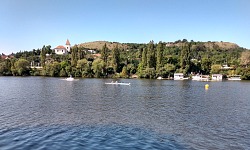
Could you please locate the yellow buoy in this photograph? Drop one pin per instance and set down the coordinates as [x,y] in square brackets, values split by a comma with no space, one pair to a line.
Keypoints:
[206,86]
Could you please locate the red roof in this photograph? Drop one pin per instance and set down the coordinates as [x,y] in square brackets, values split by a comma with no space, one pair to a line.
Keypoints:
[67,42]
[60,47]
[97,55]
[3,56]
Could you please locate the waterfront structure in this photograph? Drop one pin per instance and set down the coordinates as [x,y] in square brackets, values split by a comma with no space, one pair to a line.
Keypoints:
[62,50]
[225,67]
[200,77]
[159,78]
[179,76]
[234,78]
[3,56]
[216,77]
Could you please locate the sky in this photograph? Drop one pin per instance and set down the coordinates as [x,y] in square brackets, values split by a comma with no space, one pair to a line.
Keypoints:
[29,24]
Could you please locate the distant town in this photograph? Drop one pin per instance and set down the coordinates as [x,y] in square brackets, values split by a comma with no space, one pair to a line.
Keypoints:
[179,60]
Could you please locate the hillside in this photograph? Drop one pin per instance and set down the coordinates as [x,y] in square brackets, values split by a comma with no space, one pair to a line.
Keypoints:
[221,45]
[210,45]
[99,44]
[140,59]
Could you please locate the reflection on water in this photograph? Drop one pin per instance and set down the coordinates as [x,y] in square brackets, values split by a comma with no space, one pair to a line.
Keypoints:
[38,113]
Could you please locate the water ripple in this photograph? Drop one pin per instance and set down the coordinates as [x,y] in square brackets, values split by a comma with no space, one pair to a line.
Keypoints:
[49,113]
[87,137]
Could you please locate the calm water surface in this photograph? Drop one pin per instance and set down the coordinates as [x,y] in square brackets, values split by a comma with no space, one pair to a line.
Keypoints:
[49,113]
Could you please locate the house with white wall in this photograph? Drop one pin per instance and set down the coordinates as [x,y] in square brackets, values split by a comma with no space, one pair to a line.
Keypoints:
[62,50]
[217,77]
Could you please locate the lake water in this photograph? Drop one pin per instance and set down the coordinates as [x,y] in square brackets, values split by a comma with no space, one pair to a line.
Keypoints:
[50,113]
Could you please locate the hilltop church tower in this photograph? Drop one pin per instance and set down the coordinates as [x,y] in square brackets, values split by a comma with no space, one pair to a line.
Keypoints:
[67,45]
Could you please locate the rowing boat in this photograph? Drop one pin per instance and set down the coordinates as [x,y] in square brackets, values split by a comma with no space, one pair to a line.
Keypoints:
[118,83]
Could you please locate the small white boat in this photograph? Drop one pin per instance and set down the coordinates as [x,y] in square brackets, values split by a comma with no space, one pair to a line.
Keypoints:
[160,78]
[117,83]
[234,78]
[70,79]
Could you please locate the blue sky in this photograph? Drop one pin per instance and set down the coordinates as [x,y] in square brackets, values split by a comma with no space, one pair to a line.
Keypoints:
[30,24]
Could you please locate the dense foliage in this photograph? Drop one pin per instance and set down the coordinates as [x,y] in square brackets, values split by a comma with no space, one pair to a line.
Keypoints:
[145,60]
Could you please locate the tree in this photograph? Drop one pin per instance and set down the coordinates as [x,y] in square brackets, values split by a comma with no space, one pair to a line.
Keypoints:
[124,73]
[115,58]
[159,57]
[184,41]
[22,67]
[104,53]
[48,49]
[53,69]
[63,73]
[98,66]
[206,65]
[74,52]
[64,64]
[144,58]
[84,67]
[80,54]
[215,69]
[245,74]
[43,56]
[131,68]
[168,69]
[3,68]
[82,64]
[68,70]
[185,57]
[104,57]
[151,55]
[140,70]
[245,58]
[139,53]
[150,73]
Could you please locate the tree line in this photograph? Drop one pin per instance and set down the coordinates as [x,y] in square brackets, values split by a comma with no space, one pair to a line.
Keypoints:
[149,60]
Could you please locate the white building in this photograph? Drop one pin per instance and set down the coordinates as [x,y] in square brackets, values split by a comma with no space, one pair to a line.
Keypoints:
[179,76]
[92,51]
[225,67]
[216,77]
[199,77]
[62,50]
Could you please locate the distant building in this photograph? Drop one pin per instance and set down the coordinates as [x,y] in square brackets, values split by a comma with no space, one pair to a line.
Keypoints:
[225,67]
[217,77]
[200,77]
[96,55]
[92,51]
[169,44]
[178,76]
[62,50]
[3,56]
[134,76]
